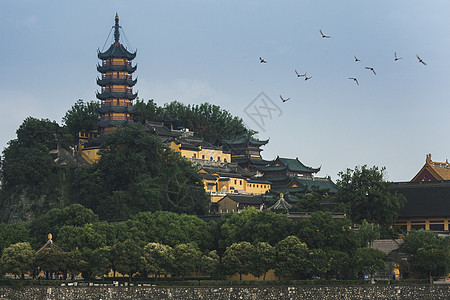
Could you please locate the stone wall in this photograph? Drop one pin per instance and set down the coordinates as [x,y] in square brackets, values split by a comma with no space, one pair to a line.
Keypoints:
[422,292]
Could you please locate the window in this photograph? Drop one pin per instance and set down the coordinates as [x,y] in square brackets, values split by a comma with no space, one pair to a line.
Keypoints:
[203,156]
[235,181]
[240,182]
[224,160]
[194,156]
[218,158]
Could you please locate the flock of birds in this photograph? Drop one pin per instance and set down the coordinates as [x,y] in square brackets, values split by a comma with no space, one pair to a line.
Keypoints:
[324,36]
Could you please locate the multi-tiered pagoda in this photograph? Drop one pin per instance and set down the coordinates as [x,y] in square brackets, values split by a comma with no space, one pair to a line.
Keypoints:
[116,85]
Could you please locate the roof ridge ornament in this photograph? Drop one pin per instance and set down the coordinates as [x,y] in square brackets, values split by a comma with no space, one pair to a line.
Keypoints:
[116,30]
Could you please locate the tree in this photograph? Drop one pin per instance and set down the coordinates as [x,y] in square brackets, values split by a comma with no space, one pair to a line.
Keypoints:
[318,262]
[210,262]
[81,117]
[310,202]
[125,257]
[321,231]
[291,257]
[186,259]
[429,253]
[366,195]
[17,259]
[238,258]
[263,260]
[368,233]
[369,260]
[157,259]
[339,263]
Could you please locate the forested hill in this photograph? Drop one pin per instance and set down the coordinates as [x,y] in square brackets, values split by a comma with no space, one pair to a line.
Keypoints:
[134,173]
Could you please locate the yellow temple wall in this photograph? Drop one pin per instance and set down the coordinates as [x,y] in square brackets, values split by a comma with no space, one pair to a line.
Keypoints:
[257,188]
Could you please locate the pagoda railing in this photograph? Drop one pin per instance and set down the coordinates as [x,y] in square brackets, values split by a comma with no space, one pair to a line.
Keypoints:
[113,63]
[129,77]
[117,90]
[116,103]
[105,118]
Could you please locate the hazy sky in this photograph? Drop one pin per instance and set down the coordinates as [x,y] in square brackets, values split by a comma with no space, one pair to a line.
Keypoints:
[208,51]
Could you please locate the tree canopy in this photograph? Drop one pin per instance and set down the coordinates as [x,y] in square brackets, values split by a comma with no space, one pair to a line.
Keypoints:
[366,195]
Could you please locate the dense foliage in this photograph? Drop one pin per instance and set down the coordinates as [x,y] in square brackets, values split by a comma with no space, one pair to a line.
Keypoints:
[365,194]
[208,121]
[161,243]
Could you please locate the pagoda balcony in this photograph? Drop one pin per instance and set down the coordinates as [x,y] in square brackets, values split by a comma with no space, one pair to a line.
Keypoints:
[112,63]
[116,103]
[123,68]
[128,77]
[120,118]
[116,95]
[117,90]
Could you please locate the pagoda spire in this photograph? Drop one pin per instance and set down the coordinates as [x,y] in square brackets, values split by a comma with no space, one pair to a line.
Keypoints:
[116,30]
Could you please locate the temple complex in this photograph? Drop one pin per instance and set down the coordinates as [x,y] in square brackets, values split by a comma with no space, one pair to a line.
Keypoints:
[289,175]
[246,152]
[427,195]
[433,171]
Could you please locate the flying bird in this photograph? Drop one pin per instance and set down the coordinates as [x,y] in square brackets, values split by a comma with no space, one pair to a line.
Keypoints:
[299,75]
[395,57]
[323,35]
[306,77]
[371,69]
[261,60]
[354,79]
[284,100]
[356,59]
[420,60]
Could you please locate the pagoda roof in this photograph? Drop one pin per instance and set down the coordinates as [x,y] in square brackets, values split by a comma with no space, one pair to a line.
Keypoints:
[117,108]
[243,199]
[50,245]
[161,130]
[113,123]
[424,199]
[318,183]
[122,95]
[280,204]
[116,50]
[116,81]
[246,139]
[125,68]
[249,159]
[207,176]
[294,165]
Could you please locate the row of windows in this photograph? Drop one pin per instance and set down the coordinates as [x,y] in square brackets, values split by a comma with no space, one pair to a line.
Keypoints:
[210,158]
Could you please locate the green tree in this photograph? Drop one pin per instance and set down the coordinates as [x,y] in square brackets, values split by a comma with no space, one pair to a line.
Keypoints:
[82,117]
[125,257]
[147,111]
[263,259]
[17,259]
[209,263]
[13,233]
[321,231]
[369,261]
[157,259]
[340,264]
[291,257]
[318,262]
[238,258]
[368,233]
[187,258]
[366,195]
[429,253]
[310,202]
